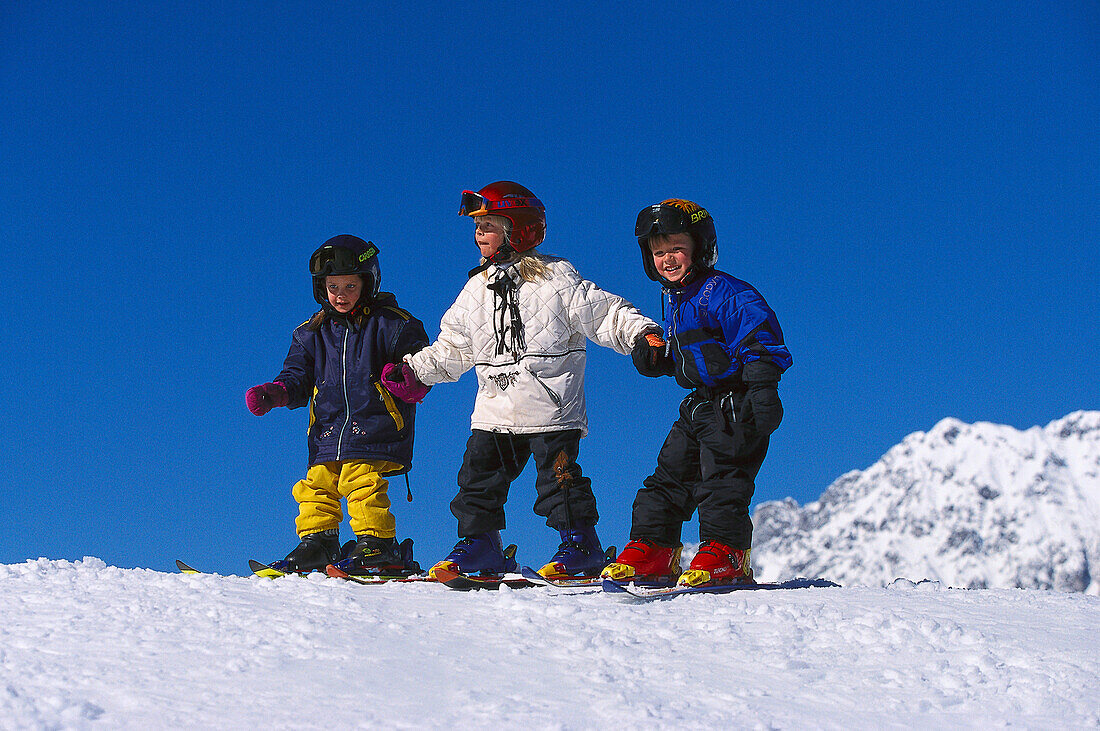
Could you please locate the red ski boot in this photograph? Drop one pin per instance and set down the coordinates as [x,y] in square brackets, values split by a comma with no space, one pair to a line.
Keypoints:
[644,560]
[717,564]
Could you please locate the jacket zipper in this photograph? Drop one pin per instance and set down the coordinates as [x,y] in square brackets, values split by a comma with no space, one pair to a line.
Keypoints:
[347,401]
[549,391]
[675,339]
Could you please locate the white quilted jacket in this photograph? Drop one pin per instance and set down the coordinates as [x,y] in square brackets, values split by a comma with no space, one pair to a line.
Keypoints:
[533,381]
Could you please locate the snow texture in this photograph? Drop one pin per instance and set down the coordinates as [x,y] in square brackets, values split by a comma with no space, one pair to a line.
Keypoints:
[970,505]
[84,645]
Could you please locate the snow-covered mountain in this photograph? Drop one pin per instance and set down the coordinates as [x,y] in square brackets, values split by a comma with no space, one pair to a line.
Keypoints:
[970,505]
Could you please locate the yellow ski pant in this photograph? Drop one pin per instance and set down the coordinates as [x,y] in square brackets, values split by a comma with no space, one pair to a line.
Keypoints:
[361,481]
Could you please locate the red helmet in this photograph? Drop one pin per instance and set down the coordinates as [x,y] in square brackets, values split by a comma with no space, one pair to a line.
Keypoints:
[514,202]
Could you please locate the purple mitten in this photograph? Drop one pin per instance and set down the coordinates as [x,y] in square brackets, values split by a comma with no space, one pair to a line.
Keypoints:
[400,380]
[263,398]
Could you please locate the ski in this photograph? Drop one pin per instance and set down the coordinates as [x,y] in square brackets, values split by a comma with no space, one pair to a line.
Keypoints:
[668,592]
[571,582]
[374,579]
[268,572]
[346,569]
[462,582]
[262,569]
[185,569]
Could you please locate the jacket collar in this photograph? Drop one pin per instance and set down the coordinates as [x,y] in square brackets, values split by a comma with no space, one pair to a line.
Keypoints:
[508,269]
[691,288]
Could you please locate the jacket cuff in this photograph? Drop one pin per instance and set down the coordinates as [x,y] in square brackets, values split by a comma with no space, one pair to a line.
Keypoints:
[760,372]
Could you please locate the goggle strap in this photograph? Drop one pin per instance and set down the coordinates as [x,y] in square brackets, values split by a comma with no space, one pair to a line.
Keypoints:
[471,199]
[331,259]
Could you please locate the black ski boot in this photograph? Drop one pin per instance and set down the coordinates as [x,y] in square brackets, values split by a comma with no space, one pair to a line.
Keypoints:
[373,556]
[316,551]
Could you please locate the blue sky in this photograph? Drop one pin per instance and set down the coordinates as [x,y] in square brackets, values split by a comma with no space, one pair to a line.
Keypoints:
[915,188]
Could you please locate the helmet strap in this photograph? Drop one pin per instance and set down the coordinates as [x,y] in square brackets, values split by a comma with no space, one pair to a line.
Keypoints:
[498,257]
[351,315]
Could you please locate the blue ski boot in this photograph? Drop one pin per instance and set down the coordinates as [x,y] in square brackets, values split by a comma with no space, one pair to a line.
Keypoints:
[481,554]
[316,551]
[579,554]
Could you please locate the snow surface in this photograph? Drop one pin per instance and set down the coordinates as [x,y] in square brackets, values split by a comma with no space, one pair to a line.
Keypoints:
[86,645]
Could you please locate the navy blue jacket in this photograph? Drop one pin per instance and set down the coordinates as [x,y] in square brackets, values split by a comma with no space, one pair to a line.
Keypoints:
[337,371]
[717,324]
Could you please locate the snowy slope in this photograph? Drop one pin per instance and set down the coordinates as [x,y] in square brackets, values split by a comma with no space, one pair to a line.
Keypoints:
[84,645]
[979,505]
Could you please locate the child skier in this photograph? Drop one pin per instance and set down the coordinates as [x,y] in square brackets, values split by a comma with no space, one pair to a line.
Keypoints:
[724,343]
[521,321]
[358,433]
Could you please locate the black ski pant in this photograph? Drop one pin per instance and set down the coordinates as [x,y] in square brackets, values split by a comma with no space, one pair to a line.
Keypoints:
[493,460]
[709,461]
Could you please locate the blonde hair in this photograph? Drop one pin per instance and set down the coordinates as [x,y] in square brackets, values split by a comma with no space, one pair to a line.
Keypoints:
[531,265]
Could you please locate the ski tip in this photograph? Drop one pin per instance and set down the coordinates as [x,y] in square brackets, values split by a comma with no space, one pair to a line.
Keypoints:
[335,573]
[261,569]
[613,587]
[185,569]
[534,576]
[442,574]
[814,584]
[453,579]
[464,582]
[570,583]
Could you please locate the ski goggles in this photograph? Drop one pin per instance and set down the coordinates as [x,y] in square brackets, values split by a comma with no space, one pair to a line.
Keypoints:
[669,217]
[475,204]
[338,260]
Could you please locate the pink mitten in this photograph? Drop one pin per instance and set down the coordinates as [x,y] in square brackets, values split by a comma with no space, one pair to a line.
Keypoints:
[263,398]
[400,380]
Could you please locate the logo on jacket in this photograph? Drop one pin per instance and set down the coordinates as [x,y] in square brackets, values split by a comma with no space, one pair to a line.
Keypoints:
[504,380]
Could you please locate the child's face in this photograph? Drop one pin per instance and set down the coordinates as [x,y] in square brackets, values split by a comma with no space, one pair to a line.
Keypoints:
[489,236]
[672,255]
[344,291]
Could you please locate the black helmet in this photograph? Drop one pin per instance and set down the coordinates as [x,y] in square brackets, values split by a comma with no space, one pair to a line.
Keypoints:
[346,254]
[675,216]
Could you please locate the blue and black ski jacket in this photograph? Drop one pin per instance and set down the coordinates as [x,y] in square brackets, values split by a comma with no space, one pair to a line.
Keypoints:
[336,370]
[715,326]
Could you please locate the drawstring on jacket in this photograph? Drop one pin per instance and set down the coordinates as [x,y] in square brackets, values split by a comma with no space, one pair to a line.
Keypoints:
[507,324]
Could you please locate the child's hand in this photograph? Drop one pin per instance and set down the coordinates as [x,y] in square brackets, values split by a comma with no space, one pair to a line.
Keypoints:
[767,409]
[649,356]
[399,379]
[263,398]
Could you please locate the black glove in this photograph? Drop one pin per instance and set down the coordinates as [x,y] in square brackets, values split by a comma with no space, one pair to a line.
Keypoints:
[649,356]
[766,408]
[762,403]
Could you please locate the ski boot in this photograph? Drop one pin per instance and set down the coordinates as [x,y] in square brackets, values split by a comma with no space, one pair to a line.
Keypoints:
[644,560]
[481,553]
[717,564]
[579,554]
[373,556]
[316,551]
